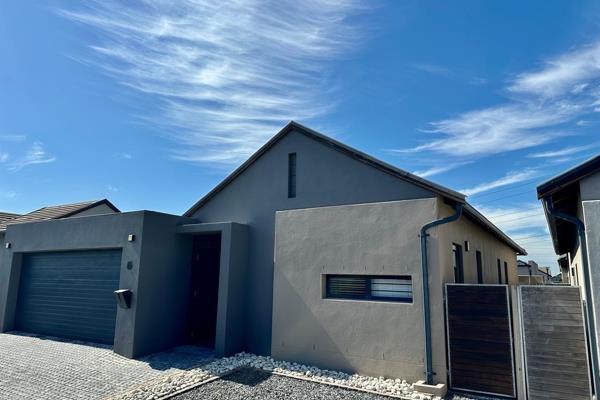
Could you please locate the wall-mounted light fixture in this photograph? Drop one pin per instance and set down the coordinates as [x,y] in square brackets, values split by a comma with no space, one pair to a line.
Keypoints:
[123,297]
[467,245]
[131,238]
[8,244]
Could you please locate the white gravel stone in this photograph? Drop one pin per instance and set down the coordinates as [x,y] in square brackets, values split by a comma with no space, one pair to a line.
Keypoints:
[167,386]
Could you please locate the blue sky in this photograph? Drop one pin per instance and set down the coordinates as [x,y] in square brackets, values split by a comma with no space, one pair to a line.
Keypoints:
[150,104]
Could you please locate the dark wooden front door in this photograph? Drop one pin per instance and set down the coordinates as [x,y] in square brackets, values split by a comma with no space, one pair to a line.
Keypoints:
[204,290]
[480,346]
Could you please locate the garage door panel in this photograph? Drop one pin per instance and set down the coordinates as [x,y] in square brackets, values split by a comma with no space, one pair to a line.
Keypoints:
[69,294]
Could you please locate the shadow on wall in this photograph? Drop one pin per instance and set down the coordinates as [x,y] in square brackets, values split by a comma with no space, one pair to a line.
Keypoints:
[302,327]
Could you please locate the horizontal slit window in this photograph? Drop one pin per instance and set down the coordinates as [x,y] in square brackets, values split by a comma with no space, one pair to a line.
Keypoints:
[369,287]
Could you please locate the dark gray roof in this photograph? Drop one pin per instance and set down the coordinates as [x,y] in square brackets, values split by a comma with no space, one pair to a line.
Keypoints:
[56,212]
[569,177]
[446,193]
[563,191]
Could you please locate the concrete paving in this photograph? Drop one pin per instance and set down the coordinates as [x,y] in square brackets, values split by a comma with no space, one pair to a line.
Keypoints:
[35,367]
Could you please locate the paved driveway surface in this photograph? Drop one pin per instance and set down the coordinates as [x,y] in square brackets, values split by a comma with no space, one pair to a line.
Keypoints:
[33,367]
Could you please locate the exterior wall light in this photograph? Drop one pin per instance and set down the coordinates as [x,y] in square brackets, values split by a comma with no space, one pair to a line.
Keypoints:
[8,244]
[131,238]
[123,298]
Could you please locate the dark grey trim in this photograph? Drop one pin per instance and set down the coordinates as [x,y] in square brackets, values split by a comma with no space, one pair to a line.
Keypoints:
[425,271]
[356,154]
[98,203]
[569,177]
[449,194]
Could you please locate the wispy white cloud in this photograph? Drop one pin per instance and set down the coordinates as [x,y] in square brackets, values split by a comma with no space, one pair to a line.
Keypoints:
[438,169]
[497,130]
[542,106]
[3,157]
[35,155]
[509,179]
[227,74]
[567,151]
[112,189]
[568,73]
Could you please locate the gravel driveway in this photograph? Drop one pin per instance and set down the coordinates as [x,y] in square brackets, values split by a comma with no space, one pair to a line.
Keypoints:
[248,383]
[34,367]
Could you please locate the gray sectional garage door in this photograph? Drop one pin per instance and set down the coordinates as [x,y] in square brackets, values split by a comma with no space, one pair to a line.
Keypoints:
[69,294]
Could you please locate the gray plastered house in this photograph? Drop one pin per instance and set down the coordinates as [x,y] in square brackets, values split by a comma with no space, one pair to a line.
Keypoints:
[309,251]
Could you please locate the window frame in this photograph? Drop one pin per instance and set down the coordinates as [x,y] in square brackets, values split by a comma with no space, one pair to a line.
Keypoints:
[458,263]
[479,265]
[505,272]
[292,175]
[327,295]
[499,272]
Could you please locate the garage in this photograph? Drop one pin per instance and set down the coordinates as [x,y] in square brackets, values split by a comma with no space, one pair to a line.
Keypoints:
[69,294]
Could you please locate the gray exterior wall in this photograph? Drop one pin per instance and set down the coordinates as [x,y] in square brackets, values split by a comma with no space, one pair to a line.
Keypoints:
[325,177]
[231,328]
[370,337]
[158,278]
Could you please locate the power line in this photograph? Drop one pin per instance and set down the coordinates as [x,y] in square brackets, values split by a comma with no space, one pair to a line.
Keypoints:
[515,219]
[517,212]
[505,197]
[532,236]
[511,186]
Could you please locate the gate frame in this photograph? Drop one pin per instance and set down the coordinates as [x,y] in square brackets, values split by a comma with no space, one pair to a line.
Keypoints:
[510,329]
[524,339]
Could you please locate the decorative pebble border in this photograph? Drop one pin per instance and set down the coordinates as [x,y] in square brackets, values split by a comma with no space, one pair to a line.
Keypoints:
[166,387]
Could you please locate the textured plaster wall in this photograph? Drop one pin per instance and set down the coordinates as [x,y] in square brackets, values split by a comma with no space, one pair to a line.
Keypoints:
[370,337]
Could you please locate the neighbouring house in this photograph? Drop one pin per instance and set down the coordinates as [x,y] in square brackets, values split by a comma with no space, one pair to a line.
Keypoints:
[572,206]
[565,270]
[81,209]
[310,251]
[6,216]
[532,274]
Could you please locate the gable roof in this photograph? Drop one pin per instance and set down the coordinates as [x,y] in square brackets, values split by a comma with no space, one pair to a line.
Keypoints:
[56,212]
[449,194]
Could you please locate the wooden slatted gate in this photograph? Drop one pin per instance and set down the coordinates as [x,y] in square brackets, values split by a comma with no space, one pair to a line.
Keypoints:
[480,344]
[555,350]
